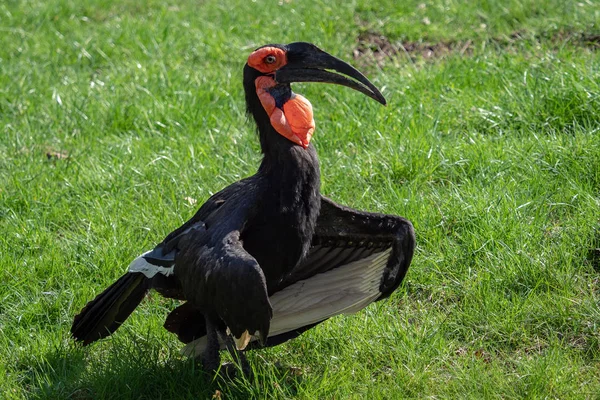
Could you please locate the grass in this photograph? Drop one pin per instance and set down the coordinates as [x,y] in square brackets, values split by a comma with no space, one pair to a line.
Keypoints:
[114,115]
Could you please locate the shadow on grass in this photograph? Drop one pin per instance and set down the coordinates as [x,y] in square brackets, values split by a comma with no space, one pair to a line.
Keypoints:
[144,371]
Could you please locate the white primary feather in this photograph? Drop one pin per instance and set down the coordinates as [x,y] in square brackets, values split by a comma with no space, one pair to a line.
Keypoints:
[141,265]
[343,290]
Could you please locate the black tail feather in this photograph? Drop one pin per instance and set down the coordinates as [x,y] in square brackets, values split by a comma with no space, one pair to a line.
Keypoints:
[103,315]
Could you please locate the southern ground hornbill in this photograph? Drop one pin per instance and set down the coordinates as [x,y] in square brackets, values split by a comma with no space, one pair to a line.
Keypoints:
[267,257]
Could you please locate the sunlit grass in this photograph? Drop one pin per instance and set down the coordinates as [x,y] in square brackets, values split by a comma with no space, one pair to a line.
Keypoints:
[114,115]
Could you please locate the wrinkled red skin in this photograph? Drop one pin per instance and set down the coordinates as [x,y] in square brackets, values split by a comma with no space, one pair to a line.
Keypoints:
[294,121]
[258,59]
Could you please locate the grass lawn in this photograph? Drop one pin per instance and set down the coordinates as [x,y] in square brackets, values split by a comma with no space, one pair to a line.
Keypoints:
[116,116]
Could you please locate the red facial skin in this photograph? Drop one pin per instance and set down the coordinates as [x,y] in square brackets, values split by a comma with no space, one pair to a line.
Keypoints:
[258,59]
[295,120]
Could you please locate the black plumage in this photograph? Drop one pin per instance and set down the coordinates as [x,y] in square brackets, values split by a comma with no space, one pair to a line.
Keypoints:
[261,241]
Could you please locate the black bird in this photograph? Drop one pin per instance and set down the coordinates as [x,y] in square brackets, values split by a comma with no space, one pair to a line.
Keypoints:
[267,257]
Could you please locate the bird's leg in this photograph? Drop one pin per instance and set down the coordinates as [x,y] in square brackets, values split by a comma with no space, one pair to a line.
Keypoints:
[210,357]
[238,356]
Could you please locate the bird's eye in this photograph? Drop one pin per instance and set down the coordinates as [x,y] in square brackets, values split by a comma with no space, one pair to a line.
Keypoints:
[270,59]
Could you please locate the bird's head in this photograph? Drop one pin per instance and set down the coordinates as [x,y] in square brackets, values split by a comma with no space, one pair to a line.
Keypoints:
[272,68]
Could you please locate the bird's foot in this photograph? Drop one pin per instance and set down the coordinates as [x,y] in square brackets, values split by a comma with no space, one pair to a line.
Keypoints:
[228,370]
[232,370]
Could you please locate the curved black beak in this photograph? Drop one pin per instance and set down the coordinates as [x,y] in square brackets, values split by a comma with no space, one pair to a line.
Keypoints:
[307,63]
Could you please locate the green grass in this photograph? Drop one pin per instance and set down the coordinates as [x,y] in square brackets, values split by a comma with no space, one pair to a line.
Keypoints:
[494,155]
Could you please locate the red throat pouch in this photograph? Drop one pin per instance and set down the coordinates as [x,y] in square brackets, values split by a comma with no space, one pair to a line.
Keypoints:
[294,121]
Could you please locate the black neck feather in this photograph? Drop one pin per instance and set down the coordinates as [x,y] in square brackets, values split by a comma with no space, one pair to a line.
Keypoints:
[290,177]
[280,155]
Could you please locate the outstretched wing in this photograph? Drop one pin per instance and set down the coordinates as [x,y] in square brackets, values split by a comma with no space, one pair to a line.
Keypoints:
[356,258]
[344,235]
